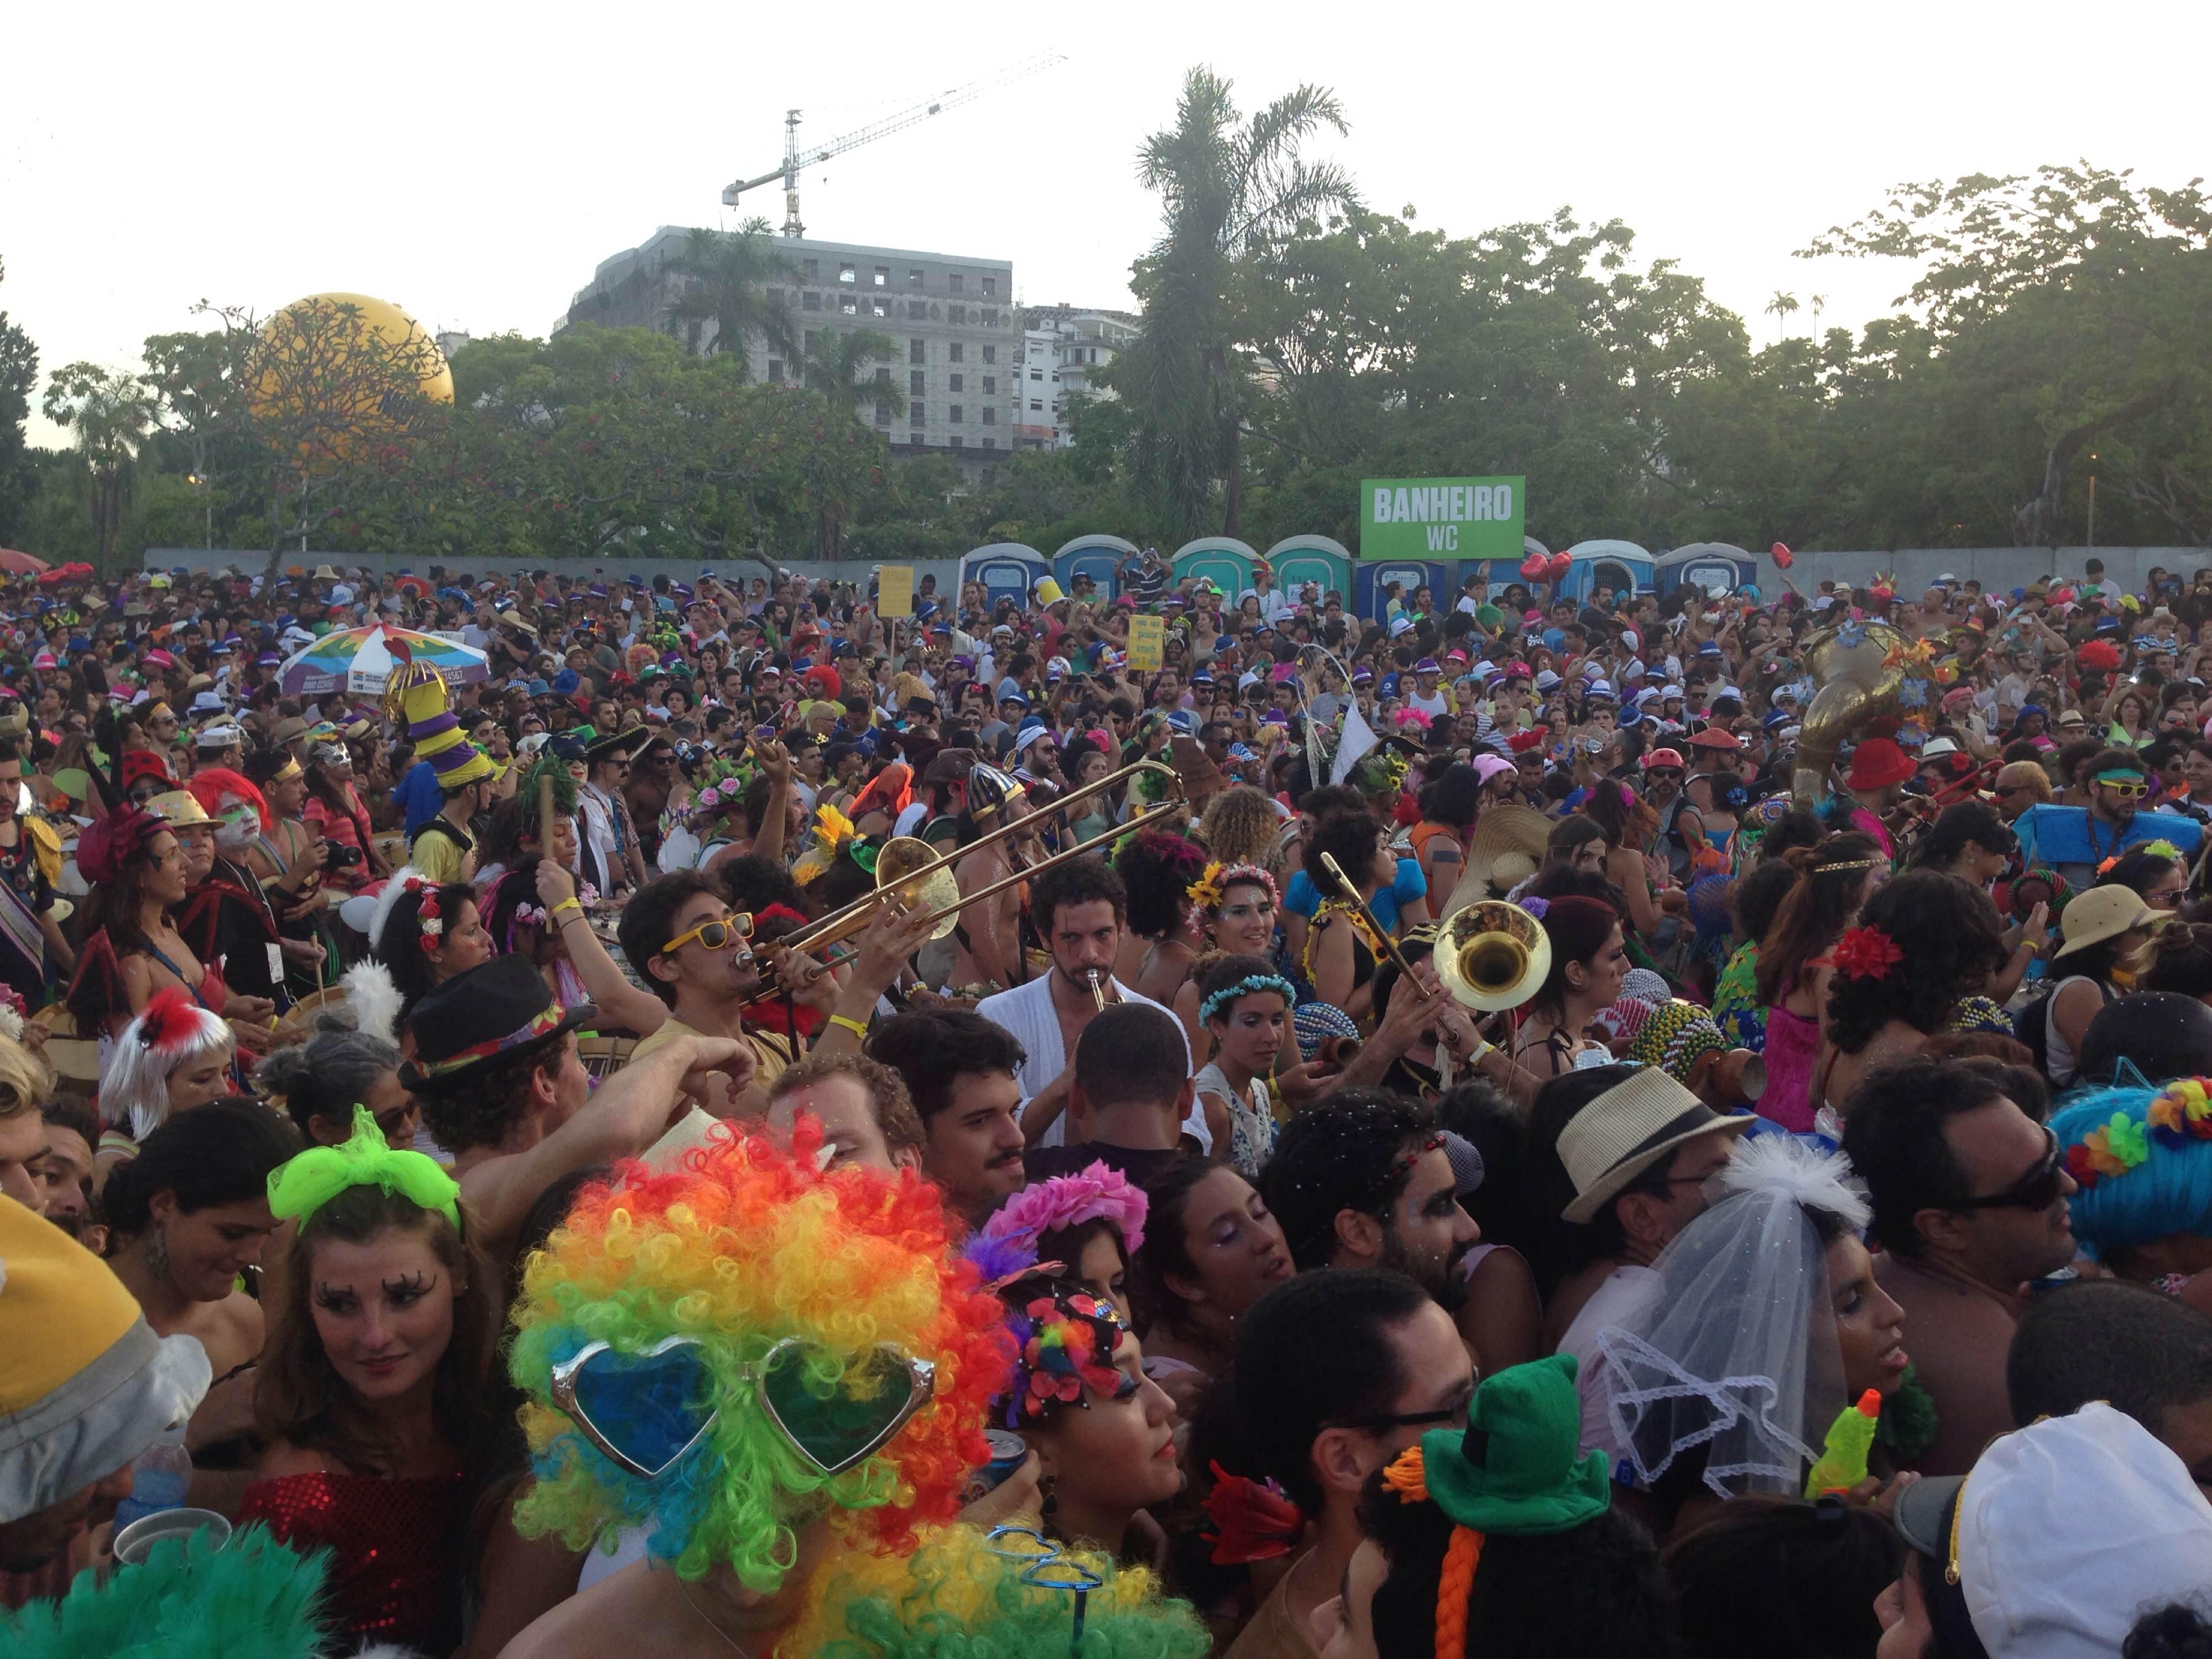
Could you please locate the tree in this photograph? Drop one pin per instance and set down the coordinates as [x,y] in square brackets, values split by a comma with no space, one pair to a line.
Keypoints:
[110,411]
[843,368]
[2060,308]
[19,378]
[1231,192]
[1781,308]
[734,275]
[325,403]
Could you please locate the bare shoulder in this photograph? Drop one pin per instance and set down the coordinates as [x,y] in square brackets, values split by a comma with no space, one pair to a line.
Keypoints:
[632,1610]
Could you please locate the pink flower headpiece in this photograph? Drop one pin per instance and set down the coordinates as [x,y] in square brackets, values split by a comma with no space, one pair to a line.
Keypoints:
[1070,1200]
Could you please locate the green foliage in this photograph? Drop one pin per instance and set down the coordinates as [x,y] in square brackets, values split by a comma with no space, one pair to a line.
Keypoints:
[733,275]
[19,377]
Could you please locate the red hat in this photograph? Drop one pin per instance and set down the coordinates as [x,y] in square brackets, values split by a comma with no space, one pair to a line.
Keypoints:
[143,763]
[1666,757]
[1713,738]
[108,843]
[1521,742]
[1878,762]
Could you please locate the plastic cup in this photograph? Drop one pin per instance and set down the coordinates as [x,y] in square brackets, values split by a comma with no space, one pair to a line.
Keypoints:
[132,1543]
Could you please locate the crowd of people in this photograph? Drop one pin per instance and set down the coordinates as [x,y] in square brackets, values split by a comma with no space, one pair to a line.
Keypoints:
[1671,1127]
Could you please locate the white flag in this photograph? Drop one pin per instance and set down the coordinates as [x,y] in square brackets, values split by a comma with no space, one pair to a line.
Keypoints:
[1359,737]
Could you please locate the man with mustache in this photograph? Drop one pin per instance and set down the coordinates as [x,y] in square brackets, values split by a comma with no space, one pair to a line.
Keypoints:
[961,1070]
[1364,1178]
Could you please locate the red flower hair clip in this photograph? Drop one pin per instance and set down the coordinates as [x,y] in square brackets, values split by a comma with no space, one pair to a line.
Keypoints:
[1866,953]
[428,916]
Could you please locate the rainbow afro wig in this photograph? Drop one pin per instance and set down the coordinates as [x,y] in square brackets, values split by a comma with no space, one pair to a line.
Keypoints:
[963,1595]
[748,1246]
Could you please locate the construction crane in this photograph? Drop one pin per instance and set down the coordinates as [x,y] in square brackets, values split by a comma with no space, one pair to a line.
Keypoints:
[794,159]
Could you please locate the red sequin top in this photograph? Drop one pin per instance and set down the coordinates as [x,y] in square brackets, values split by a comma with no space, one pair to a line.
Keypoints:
[397,1572]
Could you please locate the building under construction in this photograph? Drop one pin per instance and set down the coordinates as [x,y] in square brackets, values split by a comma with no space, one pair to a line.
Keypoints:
[956,334]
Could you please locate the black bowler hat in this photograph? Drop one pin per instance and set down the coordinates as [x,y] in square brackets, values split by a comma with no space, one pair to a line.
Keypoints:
[491,1013]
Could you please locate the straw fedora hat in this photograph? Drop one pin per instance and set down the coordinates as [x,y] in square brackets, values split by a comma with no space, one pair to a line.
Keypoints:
[1508,840]
[2100,914]
[1626,1130]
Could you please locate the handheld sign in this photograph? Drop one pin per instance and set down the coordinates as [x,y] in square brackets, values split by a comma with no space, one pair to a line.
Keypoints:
[1147,644]
[894,591]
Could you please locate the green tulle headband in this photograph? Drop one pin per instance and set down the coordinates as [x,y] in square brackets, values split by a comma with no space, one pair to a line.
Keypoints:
[302,1185]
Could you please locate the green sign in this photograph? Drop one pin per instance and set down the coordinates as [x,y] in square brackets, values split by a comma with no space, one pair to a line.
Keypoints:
[1443,518]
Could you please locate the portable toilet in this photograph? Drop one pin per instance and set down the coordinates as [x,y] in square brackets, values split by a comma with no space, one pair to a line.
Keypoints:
[1297,559]
[1375,576]
[1008,570]
[1717,567]
[1622,566]
[1223,559]
[1096,556]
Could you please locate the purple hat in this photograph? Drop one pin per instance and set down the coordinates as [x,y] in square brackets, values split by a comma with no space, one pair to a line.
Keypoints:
[1427,665]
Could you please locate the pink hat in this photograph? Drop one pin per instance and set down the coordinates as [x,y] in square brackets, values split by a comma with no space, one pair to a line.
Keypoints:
[1487,767]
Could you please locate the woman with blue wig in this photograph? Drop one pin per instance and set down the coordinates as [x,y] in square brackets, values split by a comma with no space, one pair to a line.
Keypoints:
[2142,1158]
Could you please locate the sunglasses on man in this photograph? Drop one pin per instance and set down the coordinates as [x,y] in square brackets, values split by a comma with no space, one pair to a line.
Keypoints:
[716,935]
[2039,1189]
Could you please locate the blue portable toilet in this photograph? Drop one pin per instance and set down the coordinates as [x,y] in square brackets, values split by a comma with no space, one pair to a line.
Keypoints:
[1096,556]
[1322,560]
[1622,566]
[1717,568]
[1008,570]
[1375,575]
[1223,559]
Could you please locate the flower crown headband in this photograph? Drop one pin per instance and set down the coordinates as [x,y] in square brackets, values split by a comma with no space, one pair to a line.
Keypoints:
[1065,1340]
[2180,1113]
[1211,889]
[1098,1192]
[1247,986]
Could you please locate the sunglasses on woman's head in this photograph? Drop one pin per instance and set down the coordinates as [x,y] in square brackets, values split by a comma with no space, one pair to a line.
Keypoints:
[647,1410]
[716,935]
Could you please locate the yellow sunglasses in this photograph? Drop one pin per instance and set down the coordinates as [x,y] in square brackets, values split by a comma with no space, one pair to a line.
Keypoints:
[717,935]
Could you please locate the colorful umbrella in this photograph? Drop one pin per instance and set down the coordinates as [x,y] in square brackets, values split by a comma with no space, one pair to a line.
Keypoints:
[360,659]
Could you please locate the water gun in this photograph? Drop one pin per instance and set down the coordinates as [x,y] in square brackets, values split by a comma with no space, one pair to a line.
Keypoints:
[1843,1461]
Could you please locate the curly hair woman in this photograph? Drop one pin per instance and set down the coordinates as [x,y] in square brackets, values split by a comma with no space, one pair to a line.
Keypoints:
[767,1363]
[1158,868]
[1926,945]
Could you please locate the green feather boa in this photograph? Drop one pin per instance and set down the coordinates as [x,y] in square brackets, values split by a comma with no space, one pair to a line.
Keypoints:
[253,1599]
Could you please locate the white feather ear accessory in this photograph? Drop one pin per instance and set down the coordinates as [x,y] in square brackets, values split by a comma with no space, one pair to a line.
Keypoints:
[402,878]
[1784,1163]
[373,1000]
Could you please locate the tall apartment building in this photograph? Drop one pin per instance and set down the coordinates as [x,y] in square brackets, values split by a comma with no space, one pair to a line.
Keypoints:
[1063,350]
[956,336]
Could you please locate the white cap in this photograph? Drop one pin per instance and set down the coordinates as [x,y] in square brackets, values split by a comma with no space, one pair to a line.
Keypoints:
[2073,1527]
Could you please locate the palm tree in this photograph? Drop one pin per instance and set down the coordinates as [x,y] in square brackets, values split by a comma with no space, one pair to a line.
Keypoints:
[1779,308]
[842,368]
[1820,303]
[1231,190]
[732,274]
[111,412]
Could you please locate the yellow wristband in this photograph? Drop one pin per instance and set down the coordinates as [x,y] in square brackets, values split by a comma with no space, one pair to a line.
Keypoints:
[571,903]
[850,1024]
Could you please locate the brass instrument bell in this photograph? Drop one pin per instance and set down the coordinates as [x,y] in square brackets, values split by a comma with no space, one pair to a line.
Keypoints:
[1492,955]
[937,890]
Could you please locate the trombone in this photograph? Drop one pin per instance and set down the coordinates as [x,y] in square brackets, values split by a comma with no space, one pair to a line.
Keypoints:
[1351,891]
[907,868]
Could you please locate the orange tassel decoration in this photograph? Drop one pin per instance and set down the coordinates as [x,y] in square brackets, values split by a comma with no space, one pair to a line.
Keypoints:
[1454,1585]
[1408,1477]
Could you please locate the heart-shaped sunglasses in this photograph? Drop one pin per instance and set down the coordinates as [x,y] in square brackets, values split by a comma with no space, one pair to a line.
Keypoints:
[646,1410]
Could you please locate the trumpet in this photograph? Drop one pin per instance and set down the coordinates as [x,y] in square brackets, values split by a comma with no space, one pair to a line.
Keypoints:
[1098,987]
[922,876]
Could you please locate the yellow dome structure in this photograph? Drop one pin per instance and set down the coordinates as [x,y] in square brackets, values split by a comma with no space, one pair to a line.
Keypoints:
[316,368]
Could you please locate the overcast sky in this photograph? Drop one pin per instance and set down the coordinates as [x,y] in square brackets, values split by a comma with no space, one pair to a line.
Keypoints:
[474,162]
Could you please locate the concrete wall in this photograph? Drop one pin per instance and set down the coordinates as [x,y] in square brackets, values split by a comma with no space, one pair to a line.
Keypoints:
[254,560]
